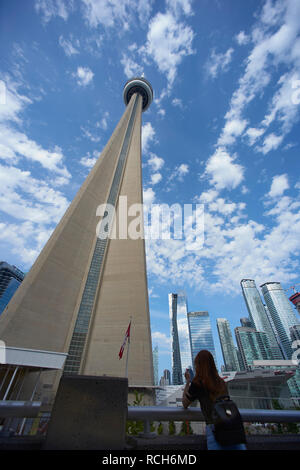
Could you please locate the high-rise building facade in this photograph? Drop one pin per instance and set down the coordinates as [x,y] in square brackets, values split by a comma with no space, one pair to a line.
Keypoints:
[85,285]
[8,294]
[165,380]
[295,334]
[201,336]
[155,364]
[181,349]
[246,322]
[258,315]
[282,313]
[253,345]
[230,358]
[10,279]
[177,377]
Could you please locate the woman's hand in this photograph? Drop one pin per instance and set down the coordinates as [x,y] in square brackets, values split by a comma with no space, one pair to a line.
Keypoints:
[187,376]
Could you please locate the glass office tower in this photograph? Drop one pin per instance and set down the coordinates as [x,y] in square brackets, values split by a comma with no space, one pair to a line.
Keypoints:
[295,333]
[10,279]
[177,378]
[155,364]
[282,313]
[200,333]
[228,349]
[253,345]
[258,315]
[8,293]
[181,349]
[246,322]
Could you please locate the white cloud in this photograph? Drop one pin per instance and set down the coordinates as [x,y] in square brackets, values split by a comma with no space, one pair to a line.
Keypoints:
[225,208]
[179,172]
[232,129]
[275,43]
[207,196]
[271,12]
[131,68]
[279,185]
[88,161]
[161,112]
[148,136]
[222,170]
[105,12]
[84,76]
[14,103]
[271,142]
[253,134]
[155,162]
[180,6]
[103,121]
[168,42]
[16,145]
[177,102]
[111,13]
[242,38]
[148,197]
[52,8]
[282,106]
[183,169]
[162,341]
[42,203]
[218,62]
[156,178]
[89,135]
[68,47]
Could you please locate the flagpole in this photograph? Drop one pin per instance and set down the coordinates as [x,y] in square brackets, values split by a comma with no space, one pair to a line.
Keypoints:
[127,356]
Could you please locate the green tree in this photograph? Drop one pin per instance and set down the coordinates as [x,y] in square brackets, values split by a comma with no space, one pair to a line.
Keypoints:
[172,428]
[133,428]
[186,428]
[160,429]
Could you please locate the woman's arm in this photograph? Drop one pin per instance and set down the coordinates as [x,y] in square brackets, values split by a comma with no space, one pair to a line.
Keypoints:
[185,400]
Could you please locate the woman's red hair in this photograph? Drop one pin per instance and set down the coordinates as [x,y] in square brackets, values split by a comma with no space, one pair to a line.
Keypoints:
[207,374]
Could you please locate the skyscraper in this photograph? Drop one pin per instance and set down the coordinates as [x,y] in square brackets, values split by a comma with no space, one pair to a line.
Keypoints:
[295,333]
[282,313]
[258,315]
[253,345]
[85,285]
[201,333]
[155,364]
[165,380]
[10,279]
[228,349]
[246,322]
[181,349]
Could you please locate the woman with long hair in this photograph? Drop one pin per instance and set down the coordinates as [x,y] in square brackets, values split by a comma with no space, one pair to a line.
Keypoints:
[207,386]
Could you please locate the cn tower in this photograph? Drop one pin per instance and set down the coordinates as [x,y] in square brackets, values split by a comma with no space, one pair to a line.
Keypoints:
[82,290]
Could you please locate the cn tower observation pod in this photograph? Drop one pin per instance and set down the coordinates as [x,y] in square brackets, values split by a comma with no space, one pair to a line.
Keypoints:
[138,85]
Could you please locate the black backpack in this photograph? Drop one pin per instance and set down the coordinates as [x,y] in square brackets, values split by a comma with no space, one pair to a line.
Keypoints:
[228,424]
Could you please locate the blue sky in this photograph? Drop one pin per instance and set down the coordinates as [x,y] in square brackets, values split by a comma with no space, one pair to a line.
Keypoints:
[223,131]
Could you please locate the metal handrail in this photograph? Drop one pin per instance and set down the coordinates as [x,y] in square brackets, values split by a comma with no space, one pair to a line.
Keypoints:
[166,413]
[162,413]
[19,409]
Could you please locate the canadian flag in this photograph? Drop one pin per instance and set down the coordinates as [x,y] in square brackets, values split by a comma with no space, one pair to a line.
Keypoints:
[127,337]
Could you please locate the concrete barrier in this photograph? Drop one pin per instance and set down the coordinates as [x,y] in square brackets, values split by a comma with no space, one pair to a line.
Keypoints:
[89,413]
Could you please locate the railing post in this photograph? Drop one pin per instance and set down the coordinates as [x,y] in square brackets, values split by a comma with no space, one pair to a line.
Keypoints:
[147,434]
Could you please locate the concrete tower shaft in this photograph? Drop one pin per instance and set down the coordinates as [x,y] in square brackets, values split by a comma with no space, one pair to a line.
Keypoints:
[81,291]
